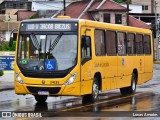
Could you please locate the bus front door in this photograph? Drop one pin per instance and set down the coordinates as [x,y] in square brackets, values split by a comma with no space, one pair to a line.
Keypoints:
[86,62]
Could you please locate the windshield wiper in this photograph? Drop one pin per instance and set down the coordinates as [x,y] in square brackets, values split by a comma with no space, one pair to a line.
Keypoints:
[53,45]
[35,41]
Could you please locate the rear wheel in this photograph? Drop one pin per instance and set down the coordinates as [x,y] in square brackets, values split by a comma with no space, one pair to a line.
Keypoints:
[40,98]
[91,98]
[131,89]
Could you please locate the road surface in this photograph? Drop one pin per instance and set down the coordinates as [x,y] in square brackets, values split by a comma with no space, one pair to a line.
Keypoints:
[111,103]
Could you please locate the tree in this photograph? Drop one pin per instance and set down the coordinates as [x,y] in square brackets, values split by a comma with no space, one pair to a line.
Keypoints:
[122,1]
[2,40]
[1,73]
[119,1]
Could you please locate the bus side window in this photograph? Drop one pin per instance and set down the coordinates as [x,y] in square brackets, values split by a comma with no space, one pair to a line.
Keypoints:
[121,37]
[147,44]
[86,47]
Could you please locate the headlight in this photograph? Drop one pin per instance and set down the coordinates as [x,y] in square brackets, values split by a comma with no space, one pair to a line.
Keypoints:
[19,79]
[71,79]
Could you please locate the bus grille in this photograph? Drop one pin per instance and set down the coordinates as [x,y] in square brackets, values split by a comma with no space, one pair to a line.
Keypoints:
[51,90]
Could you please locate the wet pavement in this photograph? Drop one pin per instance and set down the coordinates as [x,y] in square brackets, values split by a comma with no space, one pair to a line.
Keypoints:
[146,98]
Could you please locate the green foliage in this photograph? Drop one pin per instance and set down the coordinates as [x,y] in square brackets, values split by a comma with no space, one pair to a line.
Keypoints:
[119,1]
[5,46]
[36,15]
[122,1]
[1,73]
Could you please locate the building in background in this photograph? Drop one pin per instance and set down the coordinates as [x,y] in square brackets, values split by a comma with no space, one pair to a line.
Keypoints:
[150,14]
[134,8]
[103,11]
[148,6]
[14,11]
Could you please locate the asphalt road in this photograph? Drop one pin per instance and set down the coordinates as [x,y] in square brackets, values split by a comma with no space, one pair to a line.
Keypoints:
[111,103]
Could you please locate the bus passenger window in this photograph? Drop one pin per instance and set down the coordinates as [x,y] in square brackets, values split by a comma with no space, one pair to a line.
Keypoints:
[130,43]
[147,44]
[121,37]
[99,42]
[111,42]
[139,44]
[86,47]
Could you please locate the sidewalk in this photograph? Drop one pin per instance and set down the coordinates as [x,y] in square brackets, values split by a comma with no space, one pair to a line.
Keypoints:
[6,81]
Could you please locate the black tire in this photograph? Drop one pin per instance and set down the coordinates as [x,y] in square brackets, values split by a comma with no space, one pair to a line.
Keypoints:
[131,89]
[91,98]
[40,98]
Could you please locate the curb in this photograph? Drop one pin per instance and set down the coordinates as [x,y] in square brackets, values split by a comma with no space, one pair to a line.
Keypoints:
[156,62]
[4,86]
[6,89]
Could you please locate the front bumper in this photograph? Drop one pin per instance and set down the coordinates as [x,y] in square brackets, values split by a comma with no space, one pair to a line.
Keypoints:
[59,90]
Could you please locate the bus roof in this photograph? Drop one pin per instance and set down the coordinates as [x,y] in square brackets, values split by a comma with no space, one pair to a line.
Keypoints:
[90,23]
[52,19]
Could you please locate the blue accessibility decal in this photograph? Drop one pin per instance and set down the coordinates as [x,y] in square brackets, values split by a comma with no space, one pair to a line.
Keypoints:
[50,64]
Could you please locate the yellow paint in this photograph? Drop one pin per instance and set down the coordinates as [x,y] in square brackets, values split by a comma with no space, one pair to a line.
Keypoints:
[63,16]
[113,73]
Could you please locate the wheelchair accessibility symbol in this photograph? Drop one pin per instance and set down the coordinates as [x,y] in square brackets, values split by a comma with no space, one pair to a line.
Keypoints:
[50,64]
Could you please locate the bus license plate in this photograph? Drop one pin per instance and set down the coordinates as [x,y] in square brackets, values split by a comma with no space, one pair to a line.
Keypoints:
[43,93]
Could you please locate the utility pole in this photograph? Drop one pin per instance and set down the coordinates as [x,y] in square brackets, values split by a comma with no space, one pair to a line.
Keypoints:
[127,12]
[64,7]
[157,30]
[9,19]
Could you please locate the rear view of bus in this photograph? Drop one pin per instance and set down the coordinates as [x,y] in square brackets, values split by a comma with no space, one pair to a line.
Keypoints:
[46,59]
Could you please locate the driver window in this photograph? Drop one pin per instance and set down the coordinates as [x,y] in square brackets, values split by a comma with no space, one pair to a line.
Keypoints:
[86,49]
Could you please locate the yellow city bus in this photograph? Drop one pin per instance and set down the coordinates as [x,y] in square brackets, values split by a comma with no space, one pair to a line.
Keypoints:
[76,57]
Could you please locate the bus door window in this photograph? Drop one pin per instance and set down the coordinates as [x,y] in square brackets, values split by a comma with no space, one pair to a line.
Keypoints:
[86,48]
[23,53]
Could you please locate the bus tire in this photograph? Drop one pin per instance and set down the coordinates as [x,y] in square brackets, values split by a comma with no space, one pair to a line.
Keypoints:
[131,89]
[40,98]
[91,98]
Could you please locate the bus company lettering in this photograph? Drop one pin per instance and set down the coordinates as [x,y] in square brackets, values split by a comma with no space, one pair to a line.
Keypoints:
[101,64]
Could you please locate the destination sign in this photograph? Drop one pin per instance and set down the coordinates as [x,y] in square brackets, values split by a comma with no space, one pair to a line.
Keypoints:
[48,26]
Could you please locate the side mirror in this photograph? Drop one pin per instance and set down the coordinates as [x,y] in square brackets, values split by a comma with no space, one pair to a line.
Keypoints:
[11,37]
[10,41]
[86,41]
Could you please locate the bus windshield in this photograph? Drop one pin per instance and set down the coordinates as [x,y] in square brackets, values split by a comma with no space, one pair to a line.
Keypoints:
[47,52]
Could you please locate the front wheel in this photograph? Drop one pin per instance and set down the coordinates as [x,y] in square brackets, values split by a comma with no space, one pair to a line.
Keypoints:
[40,98]
[94,96]
[131,89]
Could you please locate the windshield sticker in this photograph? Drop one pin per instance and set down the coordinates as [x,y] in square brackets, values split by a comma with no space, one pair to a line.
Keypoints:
[50,64]
[42,37]
[24,62]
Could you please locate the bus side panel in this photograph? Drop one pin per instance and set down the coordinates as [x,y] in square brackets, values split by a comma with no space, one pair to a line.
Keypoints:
[107,67]
[140,68]
[148,70]
[110,73]
[125,68]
